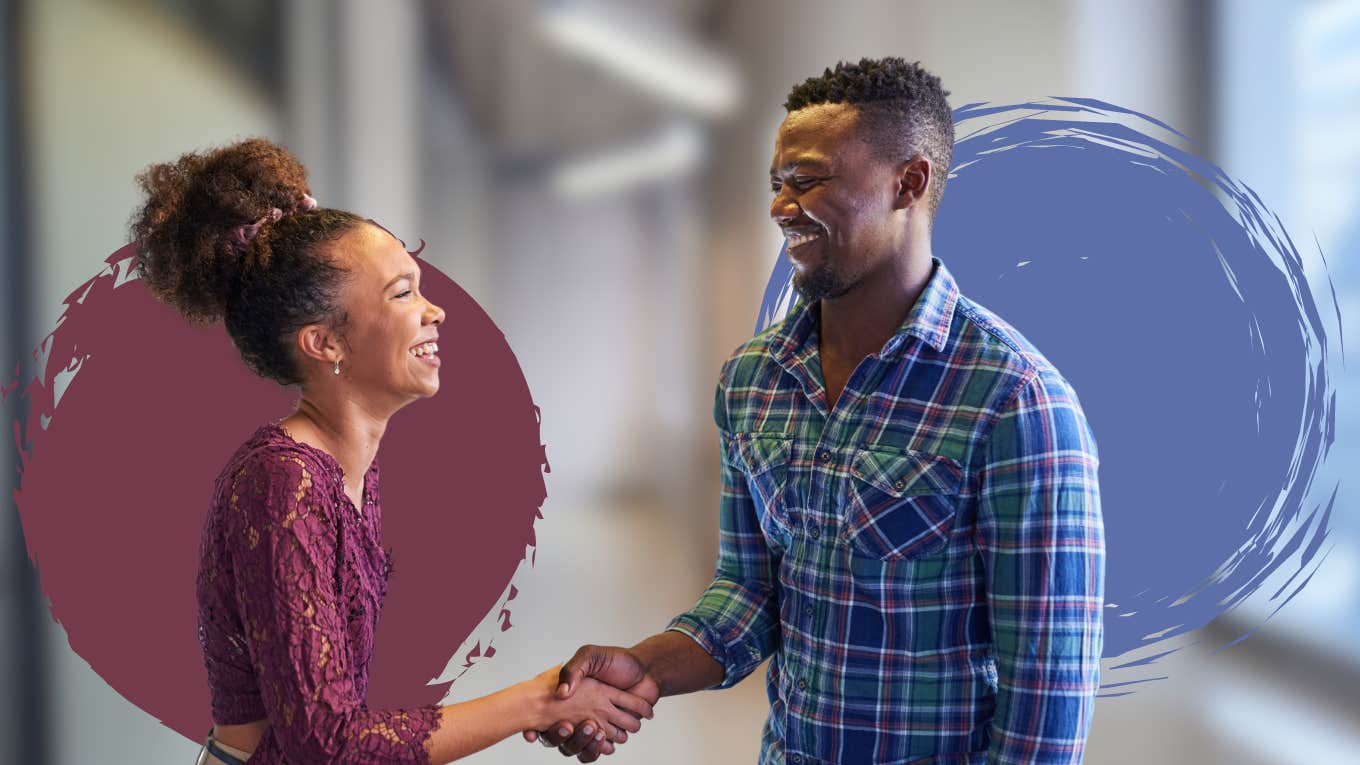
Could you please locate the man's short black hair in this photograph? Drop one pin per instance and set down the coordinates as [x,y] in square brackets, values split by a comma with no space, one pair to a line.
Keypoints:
[902,110]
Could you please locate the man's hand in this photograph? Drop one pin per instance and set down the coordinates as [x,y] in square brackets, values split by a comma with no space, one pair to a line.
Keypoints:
[608,664]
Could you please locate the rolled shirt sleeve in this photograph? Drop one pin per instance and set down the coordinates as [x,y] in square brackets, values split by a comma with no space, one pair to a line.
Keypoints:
[736,619]
[1042,542]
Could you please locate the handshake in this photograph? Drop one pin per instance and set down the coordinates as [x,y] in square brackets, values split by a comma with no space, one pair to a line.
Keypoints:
[597,698]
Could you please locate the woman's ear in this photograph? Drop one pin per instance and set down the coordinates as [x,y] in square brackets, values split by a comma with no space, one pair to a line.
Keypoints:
[319,343]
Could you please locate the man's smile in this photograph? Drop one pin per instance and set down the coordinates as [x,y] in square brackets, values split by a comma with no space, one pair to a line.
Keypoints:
[800,237]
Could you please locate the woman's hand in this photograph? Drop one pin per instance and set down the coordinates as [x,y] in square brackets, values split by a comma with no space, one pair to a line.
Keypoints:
[613,713]
[612,665]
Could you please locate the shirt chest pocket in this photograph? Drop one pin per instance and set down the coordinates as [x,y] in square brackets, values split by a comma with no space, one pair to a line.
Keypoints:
[900,505]
[765,461]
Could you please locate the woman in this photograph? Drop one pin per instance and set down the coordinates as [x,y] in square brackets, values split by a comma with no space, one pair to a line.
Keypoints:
[292,572]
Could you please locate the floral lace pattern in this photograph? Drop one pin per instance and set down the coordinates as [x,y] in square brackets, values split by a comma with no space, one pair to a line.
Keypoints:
[291,580]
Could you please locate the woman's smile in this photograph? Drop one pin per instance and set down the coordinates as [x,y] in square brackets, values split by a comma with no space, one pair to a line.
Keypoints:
[427,353]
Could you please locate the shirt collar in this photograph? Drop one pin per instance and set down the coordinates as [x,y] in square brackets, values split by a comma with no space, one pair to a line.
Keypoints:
[928,320]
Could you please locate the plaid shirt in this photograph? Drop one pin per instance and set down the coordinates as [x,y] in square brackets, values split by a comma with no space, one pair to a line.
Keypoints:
[925,562]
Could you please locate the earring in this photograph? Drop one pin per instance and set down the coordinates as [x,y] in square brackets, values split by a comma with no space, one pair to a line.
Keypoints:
[337,366]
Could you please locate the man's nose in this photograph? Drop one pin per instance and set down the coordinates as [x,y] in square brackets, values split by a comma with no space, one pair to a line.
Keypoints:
[783,209]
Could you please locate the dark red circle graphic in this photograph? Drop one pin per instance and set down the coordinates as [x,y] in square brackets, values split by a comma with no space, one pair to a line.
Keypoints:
[126,415]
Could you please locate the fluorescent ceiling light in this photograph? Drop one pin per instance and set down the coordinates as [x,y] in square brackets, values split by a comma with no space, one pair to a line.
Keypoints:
[670,67]
[674,150]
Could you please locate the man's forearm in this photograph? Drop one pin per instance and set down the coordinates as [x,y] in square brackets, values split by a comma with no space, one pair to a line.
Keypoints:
[678,664]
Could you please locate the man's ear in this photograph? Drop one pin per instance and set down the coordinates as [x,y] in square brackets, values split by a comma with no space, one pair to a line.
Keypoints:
[911,181]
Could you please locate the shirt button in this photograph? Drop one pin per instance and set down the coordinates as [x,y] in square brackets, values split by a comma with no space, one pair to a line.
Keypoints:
[802,685]
[898,485]
[796,759]
[814,530]
[808,610]
[824,455]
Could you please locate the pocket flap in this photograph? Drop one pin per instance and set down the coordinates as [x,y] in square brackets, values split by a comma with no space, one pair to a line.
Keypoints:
[900,474]
[760,453]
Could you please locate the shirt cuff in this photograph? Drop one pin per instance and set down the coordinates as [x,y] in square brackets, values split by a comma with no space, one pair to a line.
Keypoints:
[738,659]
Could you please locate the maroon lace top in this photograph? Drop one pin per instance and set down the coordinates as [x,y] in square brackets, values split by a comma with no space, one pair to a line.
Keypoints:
[291,578]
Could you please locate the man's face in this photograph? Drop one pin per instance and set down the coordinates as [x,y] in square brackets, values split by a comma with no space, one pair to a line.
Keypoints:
[833,199]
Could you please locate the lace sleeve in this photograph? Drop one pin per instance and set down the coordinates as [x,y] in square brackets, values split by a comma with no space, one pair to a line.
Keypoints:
[283,542]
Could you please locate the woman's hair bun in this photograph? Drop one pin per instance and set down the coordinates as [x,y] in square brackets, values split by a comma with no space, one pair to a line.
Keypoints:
[185,251]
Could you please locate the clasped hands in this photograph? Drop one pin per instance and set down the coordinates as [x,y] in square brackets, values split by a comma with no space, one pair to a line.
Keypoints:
[608,679]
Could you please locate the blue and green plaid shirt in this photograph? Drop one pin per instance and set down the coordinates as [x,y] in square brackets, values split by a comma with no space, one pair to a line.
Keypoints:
[925,561]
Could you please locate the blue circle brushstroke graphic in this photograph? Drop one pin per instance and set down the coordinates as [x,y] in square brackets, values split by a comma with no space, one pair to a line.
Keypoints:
[1178,307]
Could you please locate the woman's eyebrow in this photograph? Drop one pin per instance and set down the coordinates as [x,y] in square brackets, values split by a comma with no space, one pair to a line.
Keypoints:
[409,276]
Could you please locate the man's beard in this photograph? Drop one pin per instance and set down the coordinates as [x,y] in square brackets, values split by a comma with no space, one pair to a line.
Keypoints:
[820,282]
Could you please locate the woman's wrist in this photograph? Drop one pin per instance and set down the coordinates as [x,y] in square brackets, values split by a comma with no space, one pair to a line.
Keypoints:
[531,702]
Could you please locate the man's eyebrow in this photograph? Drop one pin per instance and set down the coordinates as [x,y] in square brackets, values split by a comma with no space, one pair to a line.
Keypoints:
[804,162]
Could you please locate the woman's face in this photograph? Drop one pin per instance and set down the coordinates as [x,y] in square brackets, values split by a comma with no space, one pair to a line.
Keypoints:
[389,321]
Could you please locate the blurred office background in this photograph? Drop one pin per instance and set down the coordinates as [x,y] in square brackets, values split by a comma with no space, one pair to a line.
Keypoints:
[594,174]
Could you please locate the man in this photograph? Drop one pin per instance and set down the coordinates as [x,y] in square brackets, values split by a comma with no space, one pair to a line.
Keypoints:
[910,521]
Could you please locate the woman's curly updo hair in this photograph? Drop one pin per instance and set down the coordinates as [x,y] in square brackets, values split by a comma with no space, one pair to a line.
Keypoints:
[266,290]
